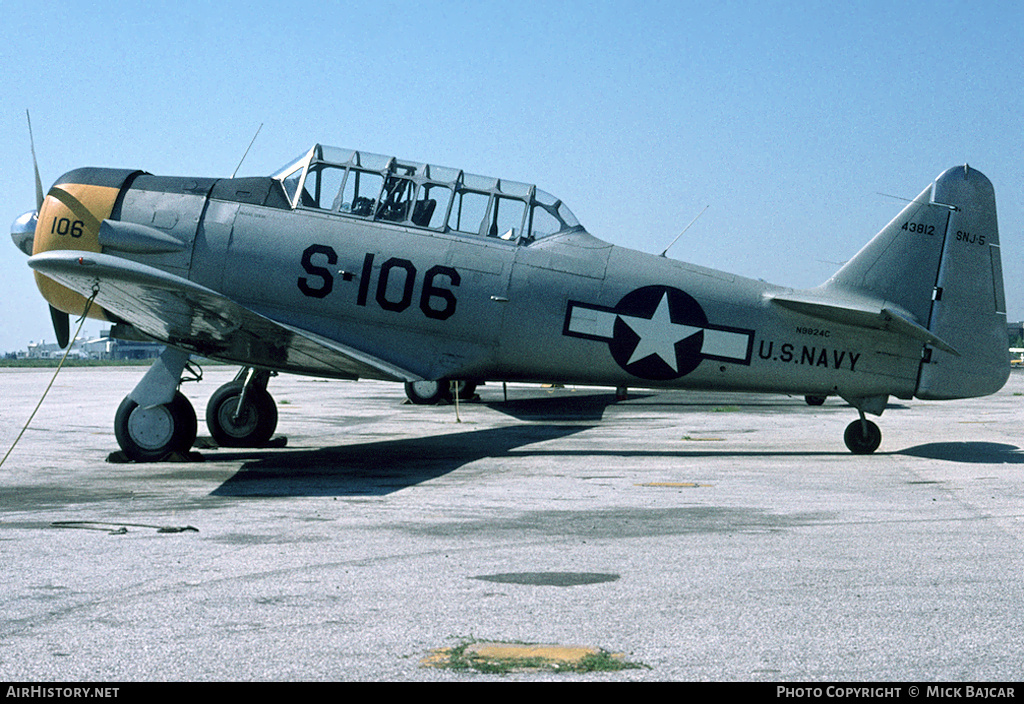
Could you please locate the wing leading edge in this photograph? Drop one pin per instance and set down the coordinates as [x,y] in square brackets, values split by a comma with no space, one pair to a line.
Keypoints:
[186,315]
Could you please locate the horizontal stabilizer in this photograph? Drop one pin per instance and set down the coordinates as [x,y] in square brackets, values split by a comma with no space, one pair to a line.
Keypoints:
[863,314]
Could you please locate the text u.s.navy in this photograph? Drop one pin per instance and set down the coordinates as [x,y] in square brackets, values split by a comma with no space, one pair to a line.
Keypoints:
[347,264]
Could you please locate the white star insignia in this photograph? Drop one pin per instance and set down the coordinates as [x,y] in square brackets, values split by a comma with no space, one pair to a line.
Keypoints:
[658,334]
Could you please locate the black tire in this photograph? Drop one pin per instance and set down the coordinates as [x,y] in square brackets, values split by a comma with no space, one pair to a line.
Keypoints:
[256,424]
[862,437]
[427,393]
[150,434]
[815,400]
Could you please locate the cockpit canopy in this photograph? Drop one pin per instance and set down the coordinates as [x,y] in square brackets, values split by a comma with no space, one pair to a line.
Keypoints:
[381,188]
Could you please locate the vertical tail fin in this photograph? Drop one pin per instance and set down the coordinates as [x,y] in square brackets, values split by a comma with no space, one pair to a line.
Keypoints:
[939,260]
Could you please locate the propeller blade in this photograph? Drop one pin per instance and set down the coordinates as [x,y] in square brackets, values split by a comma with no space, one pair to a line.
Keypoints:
[35,165]
[61,320]
[61,326]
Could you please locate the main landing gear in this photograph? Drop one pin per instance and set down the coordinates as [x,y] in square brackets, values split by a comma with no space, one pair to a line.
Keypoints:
[156,420]
[150,433]
[427,393]
[242,412]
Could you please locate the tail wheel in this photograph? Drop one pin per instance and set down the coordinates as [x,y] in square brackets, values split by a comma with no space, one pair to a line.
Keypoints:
[253,426]
[150,434]
[862,437]
[430,392]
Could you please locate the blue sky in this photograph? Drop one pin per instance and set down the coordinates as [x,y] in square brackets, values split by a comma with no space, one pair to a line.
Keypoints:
[788,119]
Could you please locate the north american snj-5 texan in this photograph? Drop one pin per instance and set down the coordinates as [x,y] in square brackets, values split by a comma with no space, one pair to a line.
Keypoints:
[352,265]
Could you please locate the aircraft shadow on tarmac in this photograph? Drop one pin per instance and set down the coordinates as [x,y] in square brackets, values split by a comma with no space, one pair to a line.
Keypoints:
[381,468]
[568,405]
[387,466]
[564,406]
[377,468]
[974,452]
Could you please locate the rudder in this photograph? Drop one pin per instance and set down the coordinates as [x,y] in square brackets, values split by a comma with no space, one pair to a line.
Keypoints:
[968,310]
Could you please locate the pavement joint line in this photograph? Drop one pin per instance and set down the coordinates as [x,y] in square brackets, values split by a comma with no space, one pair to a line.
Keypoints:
[685,485]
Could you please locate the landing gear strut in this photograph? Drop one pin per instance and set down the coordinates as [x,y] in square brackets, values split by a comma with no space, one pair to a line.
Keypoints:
[242,413]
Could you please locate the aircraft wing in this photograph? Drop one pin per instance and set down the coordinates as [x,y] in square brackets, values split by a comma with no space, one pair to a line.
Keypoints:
[864,313]
[198,319]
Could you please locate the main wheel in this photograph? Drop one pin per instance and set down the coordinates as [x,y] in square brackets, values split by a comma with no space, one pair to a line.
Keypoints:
[252,427]
[862,437]
[427,393]
[150,434]
[814,400]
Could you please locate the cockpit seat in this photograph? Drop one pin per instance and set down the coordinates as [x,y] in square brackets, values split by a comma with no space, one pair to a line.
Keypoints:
[423,211]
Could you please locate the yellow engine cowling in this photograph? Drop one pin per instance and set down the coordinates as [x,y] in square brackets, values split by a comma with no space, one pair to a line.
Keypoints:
[70,220]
